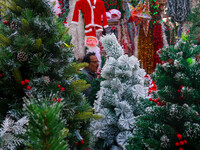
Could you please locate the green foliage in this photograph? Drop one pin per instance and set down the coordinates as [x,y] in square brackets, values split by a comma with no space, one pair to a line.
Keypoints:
[46,125]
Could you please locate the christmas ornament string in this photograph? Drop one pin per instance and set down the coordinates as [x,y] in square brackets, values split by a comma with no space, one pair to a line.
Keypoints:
[62,10]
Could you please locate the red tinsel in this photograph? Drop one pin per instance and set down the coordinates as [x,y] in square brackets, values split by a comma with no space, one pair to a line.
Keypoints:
[158,43]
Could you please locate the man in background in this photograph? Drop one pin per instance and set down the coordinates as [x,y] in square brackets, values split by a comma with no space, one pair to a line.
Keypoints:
[90,71]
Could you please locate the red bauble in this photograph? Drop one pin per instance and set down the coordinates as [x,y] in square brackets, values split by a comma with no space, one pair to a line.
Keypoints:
[6,22]
[62,89]
[62,46]
[28,87]
[158,98]
[181,97]
[182,143]
[1,75]
[59,99]
[58,86]
[177,144]
[76,143]
[22,82]
[178,90]
[185,141]
[159,51]
[82,142]
[150,99]
[180,148]
[179,136]
[181,86]
[26,81]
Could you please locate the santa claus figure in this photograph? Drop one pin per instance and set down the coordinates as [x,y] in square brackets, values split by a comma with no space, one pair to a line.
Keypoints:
[92,11]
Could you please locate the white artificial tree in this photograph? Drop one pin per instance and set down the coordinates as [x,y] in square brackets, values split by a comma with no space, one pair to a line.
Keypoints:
[118,98]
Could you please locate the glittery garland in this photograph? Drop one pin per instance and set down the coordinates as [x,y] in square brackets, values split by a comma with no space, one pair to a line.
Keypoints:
[165,43]
[158,43]
[178,9]
[146,49]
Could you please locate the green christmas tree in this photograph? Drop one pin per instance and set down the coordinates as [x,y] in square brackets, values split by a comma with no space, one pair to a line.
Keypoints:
[36,59]
[171,119]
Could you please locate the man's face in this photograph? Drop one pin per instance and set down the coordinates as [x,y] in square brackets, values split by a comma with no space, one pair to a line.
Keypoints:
[94,64]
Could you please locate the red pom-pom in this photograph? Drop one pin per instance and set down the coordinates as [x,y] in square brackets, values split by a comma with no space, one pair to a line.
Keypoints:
[26,81]
[28,87]
[58,86]
[185,141]
[5,22]
[22,83]
[59,99]
[180,148]
[82,142]
[179,136]
[62,89]
[182,143]
[150,99]
[76,143]
[181,86]
[177,144]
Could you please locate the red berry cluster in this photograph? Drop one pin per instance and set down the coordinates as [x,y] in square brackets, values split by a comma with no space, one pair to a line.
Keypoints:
[6,22]
[181,142]
[61,88]
[25,82]
[158,101]
[80,142]
[179,91]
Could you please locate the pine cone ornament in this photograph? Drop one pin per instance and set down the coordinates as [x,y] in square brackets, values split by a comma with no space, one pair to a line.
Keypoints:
[22,56]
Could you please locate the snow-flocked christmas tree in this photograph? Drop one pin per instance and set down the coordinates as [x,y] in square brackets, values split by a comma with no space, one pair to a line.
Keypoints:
[118,98]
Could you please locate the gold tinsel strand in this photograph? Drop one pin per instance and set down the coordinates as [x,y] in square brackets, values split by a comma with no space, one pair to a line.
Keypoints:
[145,49]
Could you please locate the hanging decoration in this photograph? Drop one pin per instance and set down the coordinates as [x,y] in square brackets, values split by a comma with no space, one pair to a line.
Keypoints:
[146,17]
[146,49]
[178,9]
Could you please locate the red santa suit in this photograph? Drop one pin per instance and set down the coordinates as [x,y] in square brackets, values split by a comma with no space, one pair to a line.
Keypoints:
[92,11]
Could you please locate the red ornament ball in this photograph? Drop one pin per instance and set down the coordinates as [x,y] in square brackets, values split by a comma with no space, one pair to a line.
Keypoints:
[182,143]
[76,143]
[62,89]
[22,82]
[179,136]
[178,90]
[150,99]
[185,141]
[180,148]
[155,100]
[159,104]
[181,86]
[1,75]
[82,142]
[177,144]
[59,99]
[28,87]
[26,81]
[58,86]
